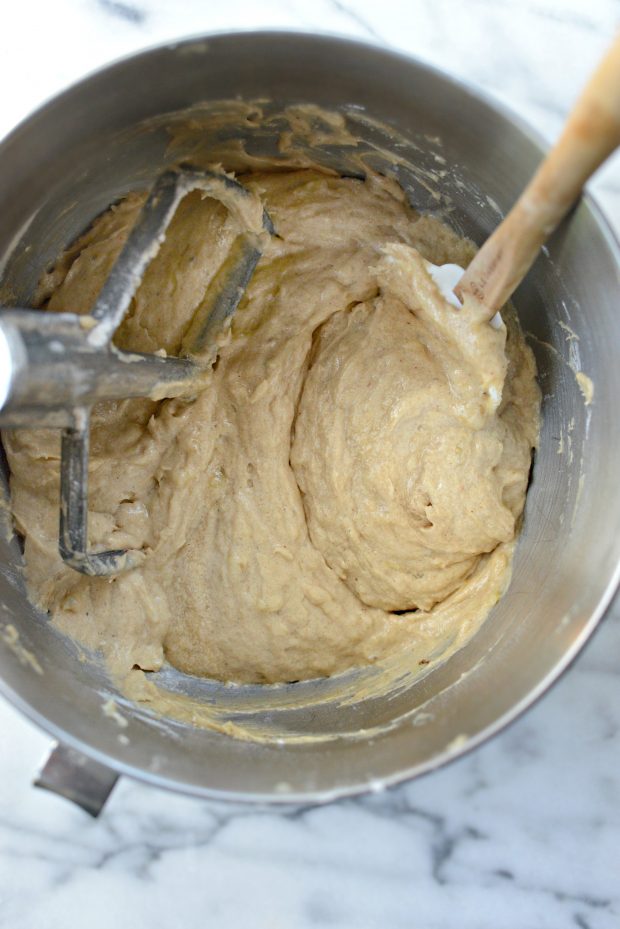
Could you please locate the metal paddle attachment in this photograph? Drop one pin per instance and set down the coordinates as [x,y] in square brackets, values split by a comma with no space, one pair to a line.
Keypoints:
[55,366]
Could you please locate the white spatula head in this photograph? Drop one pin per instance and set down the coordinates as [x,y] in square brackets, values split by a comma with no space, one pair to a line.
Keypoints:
[447,277]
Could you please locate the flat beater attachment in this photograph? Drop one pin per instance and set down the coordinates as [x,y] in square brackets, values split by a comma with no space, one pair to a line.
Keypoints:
[63,363]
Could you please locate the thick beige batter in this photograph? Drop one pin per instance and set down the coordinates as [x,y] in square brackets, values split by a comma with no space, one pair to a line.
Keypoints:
[347,485]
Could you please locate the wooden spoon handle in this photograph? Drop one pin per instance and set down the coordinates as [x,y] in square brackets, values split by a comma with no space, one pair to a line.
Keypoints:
[589,137]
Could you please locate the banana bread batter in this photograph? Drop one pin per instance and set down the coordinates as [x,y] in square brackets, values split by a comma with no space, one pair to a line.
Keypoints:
[347,484]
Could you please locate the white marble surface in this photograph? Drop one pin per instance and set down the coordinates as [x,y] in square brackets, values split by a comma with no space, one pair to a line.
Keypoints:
[522,834]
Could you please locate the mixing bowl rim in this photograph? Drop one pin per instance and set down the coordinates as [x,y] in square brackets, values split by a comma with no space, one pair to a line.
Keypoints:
[449,754]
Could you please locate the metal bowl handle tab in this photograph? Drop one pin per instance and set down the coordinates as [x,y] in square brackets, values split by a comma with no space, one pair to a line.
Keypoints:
[70,774]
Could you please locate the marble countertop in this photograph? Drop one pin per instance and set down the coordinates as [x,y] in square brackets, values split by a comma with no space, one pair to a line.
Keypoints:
[522,834]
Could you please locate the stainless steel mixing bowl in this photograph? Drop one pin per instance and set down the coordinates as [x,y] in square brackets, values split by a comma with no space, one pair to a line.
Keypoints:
[65,163]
